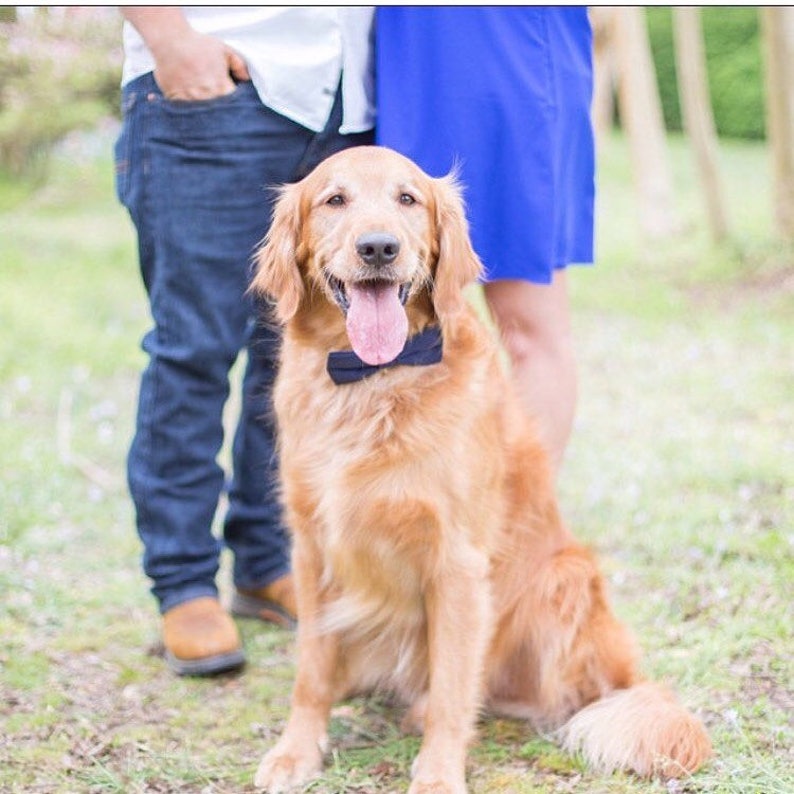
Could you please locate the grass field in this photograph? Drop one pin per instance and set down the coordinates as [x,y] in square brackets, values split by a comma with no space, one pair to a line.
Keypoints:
[680,473]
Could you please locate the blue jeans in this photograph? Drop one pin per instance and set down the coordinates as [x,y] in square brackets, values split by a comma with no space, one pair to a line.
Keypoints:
[196,179]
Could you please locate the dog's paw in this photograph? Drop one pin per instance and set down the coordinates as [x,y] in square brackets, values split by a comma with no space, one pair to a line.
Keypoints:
[437,774]
[282,771]
[437,787]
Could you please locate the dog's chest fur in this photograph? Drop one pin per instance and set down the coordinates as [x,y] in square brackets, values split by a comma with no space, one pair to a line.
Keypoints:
[370,470]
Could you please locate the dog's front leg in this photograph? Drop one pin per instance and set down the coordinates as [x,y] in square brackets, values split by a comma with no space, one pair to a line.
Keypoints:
[458,616]
[298,755]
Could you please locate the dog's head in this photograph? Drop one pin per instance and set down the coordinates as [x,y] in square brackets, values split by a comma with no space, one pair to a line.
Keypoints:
[373,235]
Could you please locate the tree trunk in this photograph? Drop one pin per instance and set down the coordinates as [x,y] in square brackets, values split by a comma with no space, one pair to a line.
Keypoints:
[603,111]
[778,35]
[641,116]
[693,88]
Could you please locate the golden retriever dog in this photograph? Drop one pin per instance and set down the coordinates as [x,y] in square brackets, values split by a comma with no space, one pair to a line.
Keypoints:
[430,558]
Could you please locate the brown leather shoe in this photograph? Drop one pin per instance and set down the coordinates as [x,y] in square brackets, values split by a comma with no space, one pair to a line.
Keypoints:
[200,638]
[274,603]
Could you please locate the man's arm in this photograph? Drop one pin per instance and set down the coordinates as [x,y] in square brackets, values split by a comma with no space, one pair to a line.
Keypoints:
[188,65]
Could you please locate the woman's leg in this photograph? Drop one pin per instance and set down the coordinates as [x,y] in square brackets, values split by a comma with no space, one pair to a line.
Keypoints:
[535,326]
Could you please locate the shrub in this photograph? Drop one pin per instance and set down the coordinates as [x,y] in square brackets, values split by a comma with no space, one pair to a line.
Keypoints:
[58,72]
[734,64]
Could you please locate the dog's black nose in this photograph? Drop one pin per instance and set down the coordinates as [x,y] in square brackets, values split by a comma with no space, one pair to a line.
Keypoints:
[378,248]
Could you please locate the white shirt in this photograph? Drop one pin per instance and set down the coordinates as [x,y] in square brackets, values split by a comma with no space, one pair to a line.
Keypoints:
[295,55]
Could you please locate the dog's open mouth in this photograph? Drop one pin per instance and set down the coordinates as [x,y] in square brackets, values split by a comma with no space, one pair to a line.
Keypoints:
[340,291]
[377,325]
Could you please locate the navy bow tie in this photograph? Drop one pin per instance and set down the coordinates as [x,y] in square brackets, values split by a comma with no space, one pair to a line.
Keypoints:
[344,366]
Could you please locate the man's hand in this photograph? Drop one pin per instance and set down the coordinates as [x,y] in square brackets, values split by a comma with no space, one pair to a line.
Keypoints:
[195,66]
[188,65]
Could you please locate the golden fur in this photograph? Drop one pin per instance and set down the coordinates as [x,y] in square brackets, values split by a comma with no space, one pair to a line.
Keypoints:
[429,553]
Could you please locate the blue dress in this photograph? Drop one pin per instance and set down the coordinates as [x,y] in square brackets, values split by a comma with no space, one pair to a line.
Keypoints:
[504,93]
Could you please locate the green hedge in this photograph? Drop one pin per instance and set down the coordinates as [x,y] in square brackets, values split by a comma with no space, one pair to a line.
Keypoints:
[58,72]
[735,68]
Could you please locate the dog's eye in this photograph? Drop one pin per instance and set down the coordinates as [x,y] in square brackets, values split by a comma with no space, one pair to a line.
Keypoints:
[337,200]
[407,199]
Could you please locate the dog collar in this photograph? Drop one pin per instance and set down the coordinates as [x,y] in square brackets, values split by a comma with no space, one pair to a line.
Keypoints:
[344,366]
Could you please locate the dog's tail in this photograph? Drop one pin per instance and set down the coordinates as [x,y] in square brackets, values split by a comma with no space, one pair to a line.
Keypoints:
[643,729]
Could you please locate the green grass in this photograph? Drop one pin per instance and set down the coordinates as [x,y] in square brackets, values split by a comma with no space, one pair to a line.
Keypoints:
[680,473]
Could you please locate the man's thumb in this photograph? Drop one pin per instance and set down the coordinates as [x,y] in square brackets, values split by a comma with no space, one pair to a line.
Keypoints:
[237,66]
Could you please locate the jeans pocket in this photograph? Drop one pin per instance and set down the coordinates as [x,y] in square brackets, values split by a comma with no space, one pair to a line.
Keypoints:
[197,106]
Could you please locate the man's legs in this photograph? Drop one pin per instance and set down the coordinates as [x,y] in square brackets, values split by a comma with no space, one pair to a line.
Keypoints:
[535,326]
[194,179]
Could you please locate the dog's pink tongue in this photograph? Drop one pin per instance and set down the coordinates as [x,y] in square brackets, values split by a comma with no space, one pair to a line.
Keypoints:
[377,325]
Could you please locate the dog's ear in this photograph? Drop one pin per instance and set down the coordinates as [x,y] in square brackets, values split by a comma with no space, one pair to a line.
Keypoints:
[277,268]
[457,265]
